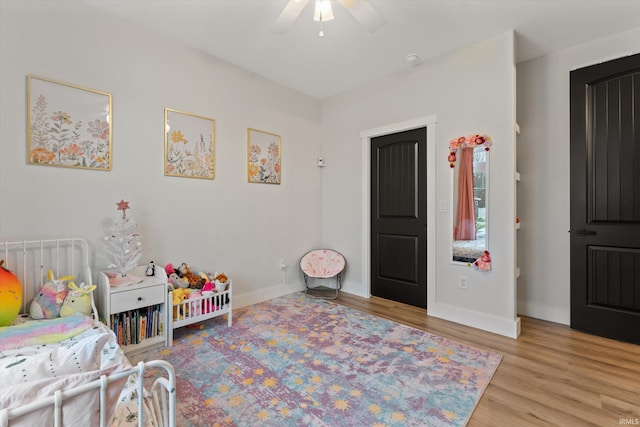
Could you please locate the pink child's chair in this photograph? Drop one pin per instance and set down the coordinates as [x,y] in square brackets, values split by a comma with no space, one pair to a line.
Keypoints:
[322,264]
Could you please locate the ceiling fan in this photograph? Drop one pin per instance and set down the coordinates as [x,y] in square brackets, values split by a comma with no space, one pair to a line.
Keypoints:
[361,10]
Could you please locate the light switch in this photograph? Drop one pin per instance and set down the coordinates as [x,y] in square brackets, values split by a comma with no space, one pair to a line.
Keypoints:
[442,206]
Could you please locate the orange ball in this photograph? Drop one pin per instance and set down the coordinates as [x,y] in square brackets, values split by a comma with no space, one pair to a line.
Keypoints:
[10,296]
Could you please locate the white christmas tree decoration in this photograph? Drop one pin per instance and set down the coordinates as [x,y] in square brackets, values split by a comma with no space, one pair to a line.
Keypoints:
[123,245]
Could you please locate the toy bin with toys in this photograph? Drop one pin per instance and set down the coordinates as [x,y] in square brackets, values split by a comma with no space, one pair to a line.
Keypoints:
[195,296]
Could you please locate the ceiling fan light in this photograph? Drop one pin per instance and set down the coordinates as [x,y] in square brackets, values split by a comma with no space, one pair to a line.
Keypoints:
[323,11]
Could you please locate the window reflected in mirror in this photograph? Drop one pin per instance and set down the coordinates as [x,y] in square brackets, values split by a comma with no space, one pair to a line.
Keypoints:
[470,207]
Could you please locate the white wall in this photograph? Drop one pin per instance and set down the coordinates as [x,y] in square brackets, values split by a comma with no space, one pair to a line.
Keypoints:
[469,91]
[543,162]
[228,224]
[225,224]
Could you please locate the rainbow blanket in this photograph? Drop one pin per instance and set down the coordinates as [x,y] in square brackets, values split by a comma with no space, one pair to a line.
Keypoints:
[46,331]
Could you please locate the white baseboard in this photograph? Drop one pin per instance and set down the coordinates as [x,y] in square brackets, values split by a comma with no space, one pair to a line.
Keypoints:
[507,327]
[354,288]
[542,312]
[265,294]
[497,325]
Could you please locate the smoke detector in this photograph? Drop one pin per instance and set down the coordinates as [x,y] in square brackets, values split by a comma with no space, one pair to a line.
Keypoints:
[413,59]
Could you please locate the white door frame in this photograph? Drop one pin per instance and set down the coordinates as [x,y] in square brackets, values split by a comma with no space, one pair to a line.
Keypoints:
[428,122]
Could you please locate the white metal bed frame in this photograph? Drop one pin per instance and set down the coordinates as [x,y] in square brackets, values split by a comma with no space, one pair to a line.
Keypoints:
[162,396]
[29,260]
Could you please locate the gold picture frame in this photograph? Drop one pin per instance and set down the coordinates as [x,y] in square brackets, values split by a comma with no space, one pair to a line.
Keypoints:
[189,145]
[264,161]
[68,125]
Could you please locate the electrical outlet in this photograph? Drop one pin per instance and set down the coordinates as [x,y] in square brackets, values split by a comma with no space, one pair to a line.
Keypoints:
[462,282]
[282,265]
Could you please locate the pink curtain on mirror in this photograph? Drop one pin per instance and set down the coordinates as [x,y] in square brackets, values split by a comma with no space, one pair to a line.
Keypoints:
[465,228]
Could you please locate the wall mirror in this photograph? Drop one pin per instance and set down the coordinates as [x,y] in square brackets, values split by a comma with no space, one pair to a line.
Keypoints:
[469,160]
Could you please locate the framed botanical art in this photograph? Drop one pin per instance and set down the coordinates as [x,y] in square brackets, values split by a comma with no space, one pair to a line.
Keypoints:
[189,145]
[263,157]
[68,125]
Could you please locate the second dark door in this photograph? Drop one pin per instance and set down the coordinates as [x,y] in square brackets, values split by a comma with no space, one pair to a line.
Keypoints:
[605,199]
[399,217]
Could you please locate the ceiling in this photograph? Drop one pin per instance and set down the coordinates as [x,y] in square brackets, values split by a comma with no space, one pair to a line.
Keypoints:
[240,32]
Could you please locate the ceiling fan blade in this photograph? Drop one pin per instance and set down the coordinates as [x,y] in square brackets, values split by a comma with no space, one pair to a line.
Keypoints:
[288,16]
[365,14]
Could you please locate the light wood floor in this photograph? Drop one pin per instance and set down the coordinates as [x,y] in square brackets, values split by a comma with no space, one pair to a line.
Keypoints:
[551,375]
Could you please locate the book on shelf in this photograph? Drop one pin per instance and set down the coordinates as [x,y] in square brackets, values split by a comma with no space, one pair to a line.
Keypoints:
[134,326]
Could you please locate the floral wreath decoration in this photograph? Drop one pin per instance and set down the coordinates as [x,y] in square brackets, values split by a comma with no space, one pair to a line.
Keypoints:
[484,262]
[471,141]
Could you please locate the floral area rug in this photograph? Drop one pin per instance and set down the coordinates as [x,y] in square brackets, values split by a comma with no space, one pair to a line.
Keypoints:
[300,361]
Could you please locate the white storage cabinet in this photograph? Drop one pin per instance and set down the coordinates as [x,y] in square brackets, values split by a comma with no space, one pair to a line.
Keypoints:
[137,313]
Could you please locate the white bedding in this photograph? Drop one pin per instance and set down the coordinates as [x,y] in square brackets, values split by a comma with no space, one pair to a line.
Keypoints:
[69,355]
[34,371]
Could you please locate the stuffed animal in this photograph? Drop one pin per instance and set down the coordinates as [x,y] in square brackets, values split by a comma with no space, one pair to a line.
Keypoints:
[221,281]
[170,270]
[195,307]
[151,269]
[48,301]
[78,300]
[178,295]
[177,283]
[174,279]
[222,278]
[195,281]
[10,296]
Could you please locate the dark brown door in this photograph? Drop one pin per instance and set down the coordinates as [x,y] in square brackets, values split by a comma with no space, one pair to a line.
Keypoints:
[399,217]
[605,199]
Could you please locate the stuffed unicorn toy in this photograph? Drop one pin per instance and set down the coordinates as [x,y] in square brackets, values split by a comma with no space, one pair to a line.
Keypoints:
[78,300]
[47,303]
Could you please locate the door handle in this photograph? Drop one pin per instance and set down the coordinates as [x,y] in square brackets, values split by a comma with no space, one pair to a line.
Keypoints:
[583,232]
